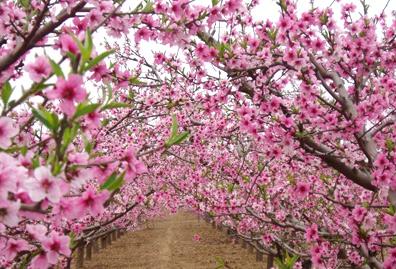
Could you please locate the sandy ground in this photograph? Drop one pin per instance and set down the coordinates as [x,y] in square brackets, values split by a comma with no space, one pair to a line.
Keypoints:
[168,244]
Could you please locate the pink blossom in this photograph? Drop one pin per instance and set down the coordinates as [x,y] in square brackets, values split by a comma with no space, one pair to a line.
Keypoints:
[37,231]
[267,239]
[92,202]
[302,190]
[56,244]
[44,185]
[159,58]
[95,17]
[93,120]
[80,25]
[13,247]
[10,173]
[197,237]
[177,8]
[39,69]
[233,5]
[67,44]
[99,72]
[311,233]
[134,167]
[7,131]
[40,261]
[9,212]
[359,213]
[142,33]
[66,208]
[69,91]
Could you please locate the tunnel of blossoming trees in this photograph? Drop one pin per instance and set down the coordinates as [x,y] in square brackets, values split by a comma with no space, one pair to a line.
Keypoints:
[281,130]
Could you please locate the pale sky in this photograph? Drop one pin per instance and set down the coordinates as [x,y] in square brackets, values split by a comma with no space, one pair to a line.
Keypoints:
[267,9]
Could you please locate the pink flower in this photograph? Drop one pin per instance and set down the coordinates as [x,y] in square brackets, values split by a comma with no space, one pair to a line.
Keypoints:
[67,44]
[92,202]
[55,245]
[177,9]
[359,213]
[44,185]
[39,69]
[94,17]
[381,160]
[311,233]
[99,72]
[267,239]
[13,247]
[159,58]
[40,261]
[69,91]
[93,120]
[134,167]
[80,25]
[302,190]
[9,212]
[233,5]
[37,231]
[66,208]
[7,131]
[10,173]
[197,237]
[143,33]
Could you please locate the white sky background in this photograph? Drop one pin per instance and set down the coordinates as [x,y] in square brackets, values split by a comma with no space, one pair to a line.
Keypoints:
[267,9]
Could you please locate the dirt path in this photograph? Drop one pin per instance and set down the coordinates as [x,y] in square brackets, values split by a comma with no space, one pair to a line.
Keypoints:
[168,244]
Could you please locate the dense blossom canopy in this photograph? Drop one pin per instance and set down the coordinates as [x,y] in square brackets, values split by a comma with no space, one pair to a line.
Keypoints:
[282,130]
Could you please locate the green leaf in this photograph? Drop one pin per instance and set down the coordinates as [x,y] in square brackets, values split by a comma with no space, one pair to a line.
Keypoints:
[113,182]
[220,262]
[35,162]
[180,138]
[88,146]
[79,44]
[73,242]
[105,122]
[283,5]
[112,105]
[215,2]
[230,187]
[72,57]
[24,3]
[110,180]
[97,59]
[390,145]
[24,150]
[175,126]
[57,168]
[175,137]
[135,80]
[391,210]
[50,120]
[6,92]
[83,109]
[68,135]
[288,262]
[56,69]
[88,45]
[149,7]
[272,33]
[246,179]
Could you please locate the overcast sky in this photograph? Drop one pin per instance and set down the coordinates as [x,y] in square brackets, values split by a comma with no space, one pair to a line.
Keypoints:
[267,9]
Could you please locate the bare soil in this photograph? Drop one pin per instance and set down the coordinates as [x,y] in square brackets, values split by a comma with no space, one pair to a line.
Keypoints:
[168,244]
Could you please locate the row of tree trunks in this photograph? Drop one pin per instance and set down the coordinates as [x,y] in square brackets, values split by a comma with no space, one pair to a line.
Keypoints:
[245,244]
[85,251]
